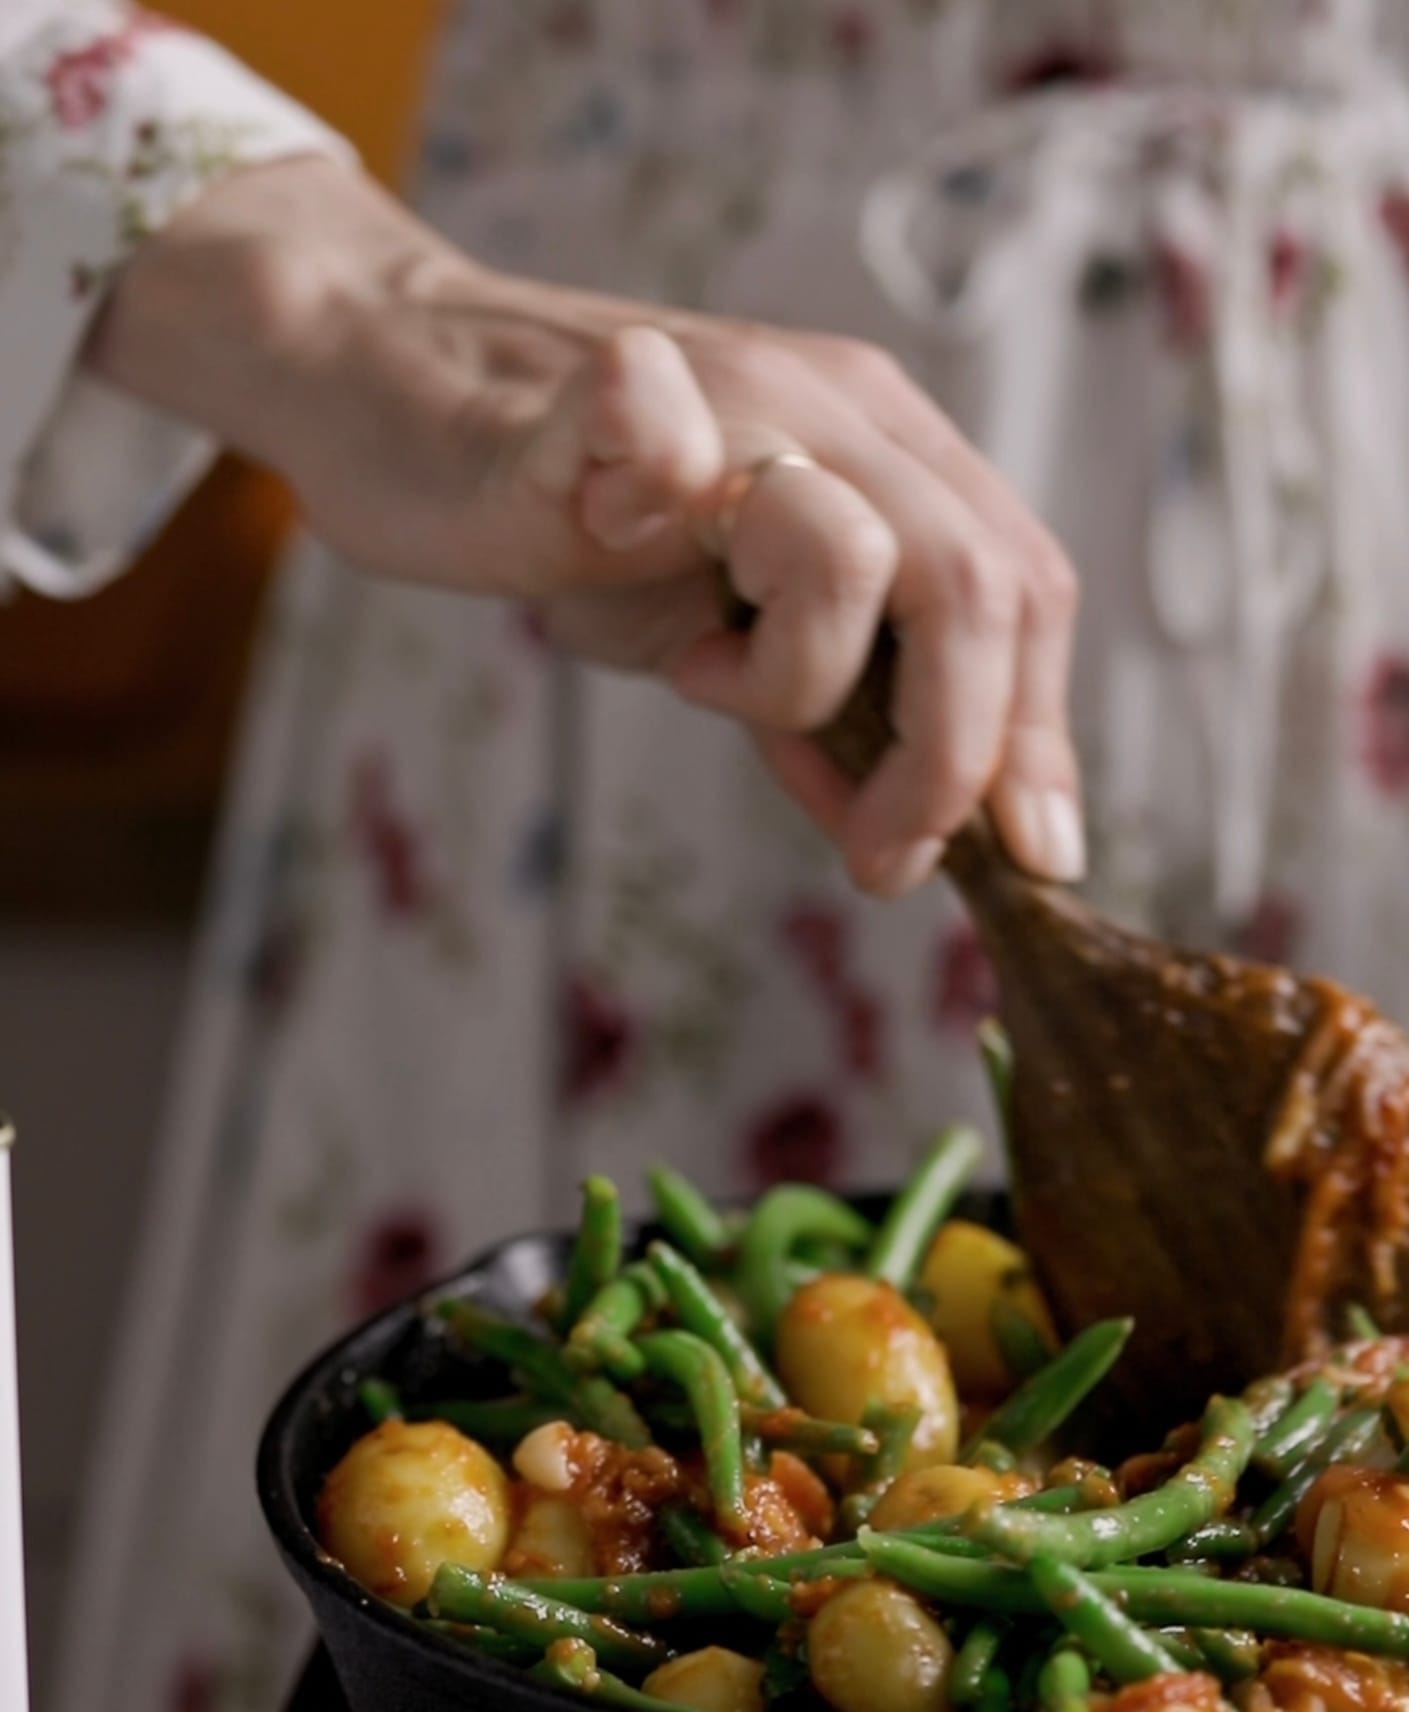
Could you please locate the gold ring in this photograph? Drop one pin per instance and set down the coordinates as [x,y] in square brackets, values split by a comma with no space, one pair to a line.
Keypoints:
[715,528]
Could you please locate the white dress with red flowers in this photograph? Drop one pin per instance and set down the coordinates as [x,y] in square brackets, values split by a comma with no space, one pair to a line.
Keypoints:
[486,921]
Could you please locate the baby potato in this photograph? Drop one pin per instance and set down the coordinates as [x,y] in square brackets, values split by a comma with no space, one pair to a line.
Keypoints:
[711,1680]
[845,1341]
[552,1537]
[874,1648]
[936,1493]
[1354,1526]
[406,1499]
[967,1272]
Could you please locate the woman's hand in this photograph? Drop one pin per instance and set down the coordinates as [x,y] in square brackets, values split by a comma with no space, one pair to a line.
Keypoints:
[449,425]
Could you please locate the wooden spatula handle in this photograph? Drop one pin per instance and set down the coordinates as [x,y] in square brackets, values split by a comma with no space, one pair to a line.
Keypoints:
[862,732]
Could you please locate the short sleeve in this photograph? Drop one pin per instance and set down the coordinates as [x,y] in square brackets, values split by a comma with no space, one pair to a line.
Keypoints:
[110,120]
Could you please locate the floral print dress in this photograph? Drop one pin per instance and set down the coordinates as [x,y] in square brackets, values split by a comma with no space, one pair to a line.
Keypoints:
[484,921]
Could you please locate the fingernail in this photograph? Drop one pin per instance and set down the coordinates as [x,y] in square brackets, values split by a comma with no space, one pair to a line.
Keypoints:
[1050,833]
[903,867]
[621,535]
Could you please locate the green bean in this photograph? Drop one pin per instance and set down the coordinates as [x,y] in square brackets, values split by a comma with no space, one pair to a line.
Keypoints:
[572,1665]
[997,1695]
[988,1453]
[996,1050]
[922,1204]
[1022,1344]
[780,1218]
[602,1335]
[1361,1325]
[1303,1427]
[487,1642]
[1064,1682]
[1181,1648]
[698,1592]
[894,1427]
[767,1598]
[1123,1650]
[700,1311]
[1159,1596]
[688,1219]
[512,1609]
[1231,1656]
[972,1662]
[1043,1403]
[381,1400]
[1268,1399]
[596,1254]
[792,1429]
[1223,1542]
[1150,1523]
[690,1537]
[499,1421]
[700,1372]
[1350,1438]
[593,1400]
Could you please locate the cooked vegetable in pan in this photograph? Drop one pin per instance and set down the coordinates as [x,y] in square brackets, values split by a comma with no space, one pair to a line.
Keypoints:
[800,1461]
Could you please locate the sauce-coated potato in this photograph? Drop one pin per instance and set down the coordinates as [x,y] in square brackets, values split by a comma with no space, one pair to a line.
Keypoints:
[968,1270]
[1354,1526]
[712,1680]
[551,1538]
[874,1648]
[845,1341]
[934,1494]
[408,1498]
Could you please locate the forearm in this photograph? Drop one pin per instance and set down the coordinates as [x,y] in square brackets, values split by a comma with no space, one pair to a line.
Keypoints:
[233,313]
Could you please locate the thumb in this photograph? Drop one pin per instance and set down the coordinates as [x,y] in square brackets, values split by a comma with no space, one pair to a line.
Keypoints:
[626,447]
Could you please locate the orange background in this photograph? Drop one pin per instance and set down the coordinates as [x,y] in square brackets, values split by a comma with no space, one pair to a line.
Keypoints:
[115,713]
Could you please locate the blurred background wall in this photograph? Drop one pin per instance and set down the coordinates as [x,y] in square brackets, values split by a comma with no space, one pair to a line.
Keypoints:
[116,719]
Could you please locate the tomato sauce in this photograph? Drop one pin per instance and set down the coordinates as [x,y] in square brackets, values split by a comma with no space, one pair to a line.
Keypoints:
[1343,1133]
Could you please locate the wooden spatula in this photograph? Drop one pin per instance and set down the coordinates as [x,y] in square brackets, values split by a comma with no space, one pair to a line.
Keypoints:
[1147,1085]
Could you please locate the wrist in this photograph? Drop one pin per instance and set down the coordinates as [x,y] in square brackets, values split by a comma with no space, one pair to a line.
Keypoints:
[232,315]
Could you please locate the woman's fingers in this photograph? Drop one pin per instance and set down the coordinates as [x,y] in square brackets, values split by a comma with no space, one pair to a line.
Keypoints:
[816,560]
[956,611]
[628,445]
[1035,796]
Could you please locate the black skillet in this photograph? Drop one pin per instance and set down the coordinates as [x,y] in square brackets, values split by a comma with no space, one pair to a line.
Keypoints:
[384,1660]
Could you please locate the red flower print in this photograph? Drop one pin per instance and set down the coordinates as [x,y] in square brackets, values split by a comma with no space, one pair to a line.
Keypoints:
[398,1254]
[194,1686]
[1186,293]
[531,626]
[1061,63]
[1270,934]
[1286,270]
[817,934]
[393,848]
[797,1140]
[966,988]
[863,1034]
[1384,725]
[1394,217]
[80,81]
[598,1040]
[853,36]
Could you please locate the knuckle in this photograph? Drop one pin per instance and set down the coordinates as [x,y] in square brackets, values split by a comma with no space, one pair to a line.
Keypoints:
[748,363]
[983,589]
[863,553]
[867,367]
[1053,586]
